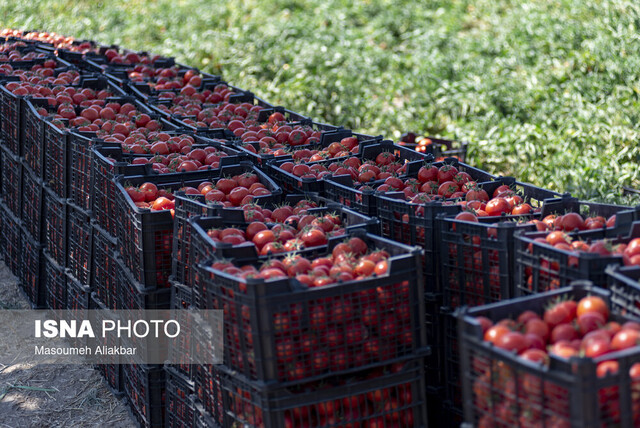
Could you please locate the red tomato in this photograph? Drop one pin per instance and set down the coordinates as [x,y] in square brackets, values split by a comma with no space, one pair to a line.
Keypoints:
[593,304]
[150,191]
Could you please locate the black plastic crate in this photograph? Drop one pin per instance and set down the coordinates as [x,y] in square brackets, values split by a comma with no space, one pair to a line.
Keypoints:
[108,161]
[145,237]
[624,284]
[33,136]
[145,389]
[342,190]
[329,134]
[438,147]
[79,169]
[501,389]
[12,239]
[79,244]
[135,296]
[542,267]
[55,224]
[104,267]
[11,182]
[182,300]
[385,396]
[179,406]
[367,151]
[33,204]
[203,419]
[112,373]
[197,245]
[56,284]
[10,116]
[259,318]
[78,294]
[415,224]
[208,390]
[103,172]
[32,270]
[478,259]
[187,206]
[56,146]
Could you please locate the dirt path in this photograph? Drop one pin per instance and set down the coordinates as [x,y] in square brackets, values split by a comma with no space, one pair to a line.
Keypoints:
[75,396]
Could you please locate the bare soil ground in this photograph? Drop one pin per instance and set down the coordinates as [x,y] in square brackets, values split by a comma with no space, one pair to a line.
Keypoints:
[46,396]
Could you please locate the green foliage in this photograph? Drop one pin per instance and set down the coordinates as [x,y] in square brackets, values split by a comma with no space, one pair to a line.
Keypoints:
[545,90]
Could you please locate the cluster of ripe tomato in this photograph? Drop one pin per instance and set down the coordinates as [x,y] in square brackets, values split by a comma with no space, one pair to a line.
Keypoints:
[566,328]
[295,233]
[229,191]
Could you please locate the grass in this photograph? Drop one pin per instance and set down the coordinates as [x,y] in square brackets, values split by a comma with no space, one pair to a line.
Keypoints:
[545,90]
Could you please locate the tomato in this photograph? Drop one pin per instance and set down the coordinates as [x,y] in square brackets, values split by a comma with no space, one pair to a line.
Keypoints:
[357,245]
[572,221]
[537,327]
[136,195]
[536,355]
[497,206]
[526,316]
[263,237]
[271,248]
[162,203]
[557,237]
[365,268]
[314,237]
[596,348]
[590,321]
[381,268]
[557,314]
[427,173]
[226,185]
[467,216]
[150,191]
[593,304]
[607,367]
[511,341]
[563,332]
[563,349]
[625,338]
[485,323]
[446,173]
[237,195]
[494,333]
[254,228]
[521,209]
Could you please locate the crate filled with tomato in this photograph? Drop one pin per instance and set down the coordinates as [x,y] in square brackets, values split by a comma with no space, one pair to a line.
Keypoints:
[566,357]
[50,102]
[211,105]
[172,152]
[262,210]
[230,236]
[300,142]
[374,162]
[552,258]
[345,306]
[389,395]
[439,148]
[144,212]
[19,80]
[120,120]
[407,207]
